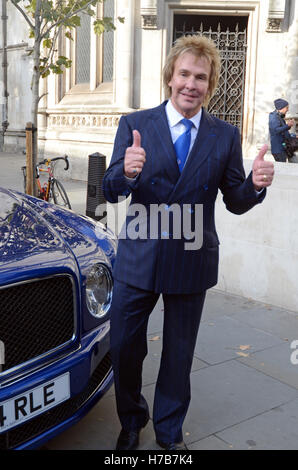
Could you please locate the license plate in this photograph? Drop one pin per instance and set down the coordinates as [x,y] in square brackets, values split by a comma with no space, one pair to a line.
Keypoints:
[26,406]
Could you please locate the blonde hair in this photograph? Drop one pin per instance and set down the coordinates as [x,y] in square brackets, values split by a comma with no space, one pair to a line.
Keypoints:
[200,46]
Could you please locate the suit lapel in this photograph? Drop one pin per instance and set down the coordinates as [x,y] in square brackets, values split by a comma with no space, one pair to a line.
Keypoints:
[162,143]
[201,149]
[204,141]
[163,148]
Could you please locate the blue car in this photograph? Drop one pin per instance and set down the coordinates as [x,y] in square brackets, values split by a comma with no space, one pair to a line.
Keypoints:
[55,293]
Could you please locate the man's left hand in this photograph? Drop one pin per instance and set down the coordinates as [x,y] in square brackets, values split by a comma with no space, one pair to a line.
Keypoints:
[262,172]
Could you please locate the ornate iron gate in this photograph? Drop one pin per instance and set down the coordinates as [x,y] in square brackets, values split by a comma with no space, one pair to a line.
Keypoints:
[227,103]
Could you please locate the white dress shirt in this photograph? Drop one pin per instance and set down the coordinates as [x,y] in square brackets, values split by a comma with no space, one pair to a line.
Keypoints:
[177,128]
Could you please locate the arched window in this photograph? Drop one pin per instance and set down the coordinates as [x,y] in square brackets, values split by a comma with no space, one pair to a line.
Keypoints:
[83,50]
[92,56]
[108,45]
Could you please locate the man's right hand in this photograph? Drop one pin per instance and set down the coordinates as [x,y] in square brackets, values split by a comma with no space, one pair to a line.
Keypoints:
[290,122]
[135,157]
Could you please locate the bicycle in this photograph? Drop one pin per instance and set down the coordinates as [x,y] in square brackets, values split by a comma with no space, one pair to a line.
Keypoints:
[52,190]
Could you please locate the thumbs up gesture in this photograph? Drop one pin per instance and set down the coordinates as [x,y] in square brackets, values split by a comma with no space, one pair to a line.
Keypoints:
[262,171]
[135,157]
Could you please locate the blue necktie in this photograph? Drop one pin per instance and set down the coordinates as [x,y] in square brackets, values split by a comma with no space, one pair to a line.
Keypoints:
[182,144]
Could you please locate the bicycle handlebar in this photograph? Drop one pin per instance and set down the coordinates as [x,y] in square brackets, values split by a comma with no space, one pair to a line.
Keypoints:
[48,160]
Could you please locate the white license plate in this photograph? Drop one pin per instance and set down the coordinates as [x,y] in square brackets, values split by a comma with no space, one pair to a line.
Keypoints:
[18,409]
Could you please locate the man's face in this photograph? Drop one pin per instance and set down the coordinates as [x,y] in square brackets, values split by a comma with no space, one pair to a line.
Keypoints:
[189,83]
[284,110]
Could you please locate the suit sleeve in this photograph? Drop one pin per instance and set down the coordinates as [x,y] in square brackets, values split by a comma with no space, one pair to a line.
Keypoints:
[276,125]
[115,183]
[239,194]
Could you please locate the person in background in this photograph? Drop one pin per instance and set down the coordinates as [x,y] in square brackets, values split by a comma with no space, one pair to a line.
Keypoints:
[279,129]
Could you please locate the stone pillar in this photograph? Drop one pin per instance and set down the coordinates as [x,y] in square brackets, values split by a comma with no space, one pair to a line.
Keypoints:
[124,36]
[276,15]
[93,55]
[149,14]
[151,48]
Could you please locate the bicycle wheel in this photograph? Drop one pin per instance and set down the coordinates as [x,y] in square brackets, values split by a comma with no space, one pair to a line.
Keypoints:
[59,194]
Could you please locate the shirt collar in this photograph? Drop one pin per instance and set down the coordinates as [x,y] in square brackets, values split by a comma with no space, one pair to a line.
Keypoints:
[174,117]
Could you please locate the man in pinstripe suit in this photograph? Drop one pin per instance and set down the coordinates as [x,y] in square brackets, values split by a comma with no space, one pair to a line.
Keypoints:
[148,164]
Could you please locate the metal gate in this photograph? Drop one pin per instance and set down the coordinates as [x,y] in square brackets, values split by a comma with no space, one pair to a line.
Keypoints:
[227,103]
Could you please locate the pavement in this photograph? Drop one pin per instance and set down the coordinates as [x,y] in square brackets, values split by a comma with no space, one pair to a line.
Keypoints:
[244,378]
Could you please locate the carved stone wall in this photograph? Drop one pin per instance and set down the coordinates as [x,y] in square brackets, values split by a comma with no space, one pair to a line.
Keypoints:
[149,14]
[83,121]
[276,15]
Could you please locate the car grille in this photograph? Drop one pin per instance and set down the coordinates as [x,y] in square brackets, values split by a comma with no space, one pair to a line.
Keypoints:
[58,414]
[35,318]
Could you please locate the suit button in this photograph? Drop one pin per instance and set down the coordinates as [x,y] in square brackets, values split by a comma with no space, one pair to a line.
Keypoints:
[205,187]
[152,182]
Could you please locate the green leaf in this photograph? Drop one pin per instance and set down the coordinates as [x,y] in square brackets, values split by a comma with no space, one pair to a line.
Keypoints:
[75,20]
[68,35]
[31,7]
[104,24]
[98,27]
[108,23]
[62,60]
[47,43]
[56,69]
[45,74]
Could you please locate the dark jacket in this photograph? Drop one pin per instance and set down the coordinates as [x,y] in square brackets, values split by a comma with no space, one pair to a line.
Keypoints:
[215,162]
[279,130]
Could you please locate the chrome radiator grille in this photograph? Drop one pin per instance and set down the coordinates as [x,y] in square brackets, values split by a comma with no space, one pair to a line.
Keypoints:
[35,317]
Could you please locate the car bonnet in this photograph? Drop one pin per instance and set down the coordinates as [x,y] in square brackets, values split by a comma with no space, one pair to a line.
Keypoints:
[28,241]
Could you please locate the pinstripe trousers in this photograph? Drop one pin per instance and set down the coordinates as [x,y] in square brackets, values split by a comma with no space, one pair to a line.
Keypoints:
[130,311]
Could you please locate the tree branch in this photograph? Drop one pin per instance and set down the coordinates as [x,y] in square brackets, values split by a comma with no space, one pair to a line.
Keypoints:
[43,33]
[52,50]
[66,17]
[38,20]
[41,96]
[23,13]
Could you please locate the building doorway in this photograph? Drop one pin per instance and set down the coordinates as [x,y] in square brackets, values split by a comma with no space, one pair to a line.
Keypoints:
[230,35]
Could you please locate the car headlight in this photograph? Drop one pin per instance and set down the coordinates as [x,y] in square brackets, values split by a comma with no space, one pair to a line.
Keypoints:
[99,286]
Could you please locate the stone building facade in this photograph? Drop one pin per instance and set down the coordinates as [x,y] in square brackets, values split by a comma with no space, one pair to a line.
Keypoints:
[121,71]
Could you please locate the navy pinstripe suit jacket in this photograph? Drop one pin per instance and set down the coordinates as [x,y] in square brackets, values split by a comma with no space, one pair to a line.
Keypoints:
[215,162]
